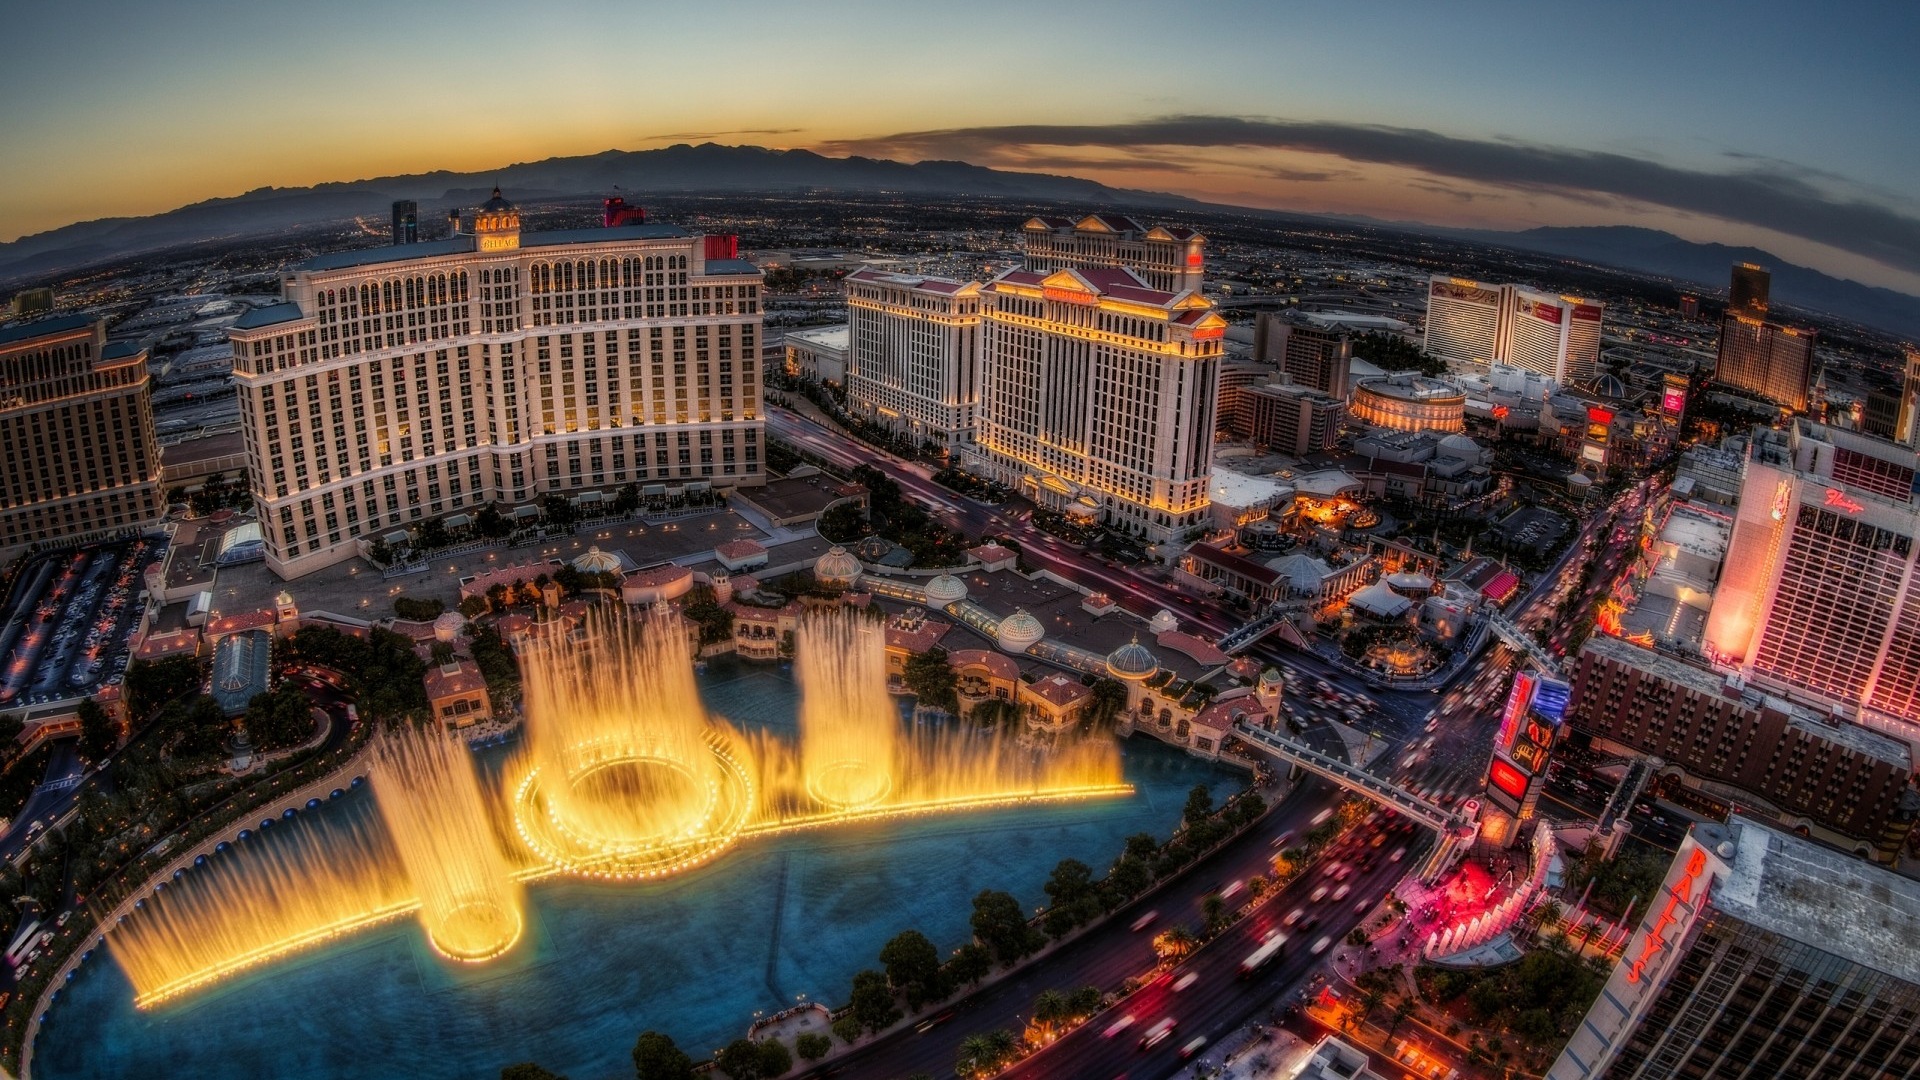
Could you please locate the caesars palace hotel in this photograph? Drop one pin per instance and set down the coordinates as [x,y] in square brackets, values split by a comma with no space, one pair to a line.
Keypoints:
[396,384]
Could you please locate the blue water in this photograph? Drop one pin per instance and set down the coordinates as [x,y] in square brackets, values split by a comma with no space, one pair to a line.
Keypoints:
[693,956]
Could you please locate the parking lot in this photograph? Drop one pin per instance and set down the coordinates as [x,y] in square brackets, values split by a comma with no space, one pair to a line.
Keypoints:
[69,621]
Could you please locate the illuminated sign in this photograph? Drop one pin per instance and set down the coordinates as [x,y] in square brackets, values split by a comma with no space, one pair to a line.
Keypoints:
[1067,296]
[1208,333]
[1193,258]
[1550,699]
[1547,313]
[1674,402]
[1517,701]
[1508,780]
[1839,501]
[1599,416]
[1458,289]
[1682,894]
[1587,313]
[1595,454]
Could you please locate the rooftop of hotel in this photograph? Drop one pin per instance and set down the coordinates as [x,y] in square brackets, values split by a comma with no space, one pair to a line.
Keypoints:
[464,243]
[1819,896]
[38,328]
[1697,531]
[1410,388]
[1711,684]
[829,337]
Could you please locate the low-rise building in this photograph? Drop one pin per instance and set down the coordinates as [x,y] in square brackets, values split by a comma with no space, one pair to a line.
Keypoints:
[819,354]
[457,693]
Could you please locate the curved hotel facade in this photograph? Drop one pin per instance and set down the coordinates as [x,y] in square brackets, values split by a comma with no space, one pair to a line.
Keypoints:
[397,384]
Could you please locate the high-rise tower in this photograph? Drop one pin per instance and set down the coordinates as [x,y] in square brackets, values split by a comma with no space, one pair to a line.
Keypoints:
[76,422]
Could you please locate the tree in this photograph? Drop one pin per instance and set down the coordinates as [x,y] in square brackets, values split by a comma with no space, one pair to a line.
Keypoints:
[492,523]
[431,534]
[1402,1012]
[1128,878]
[775,1058]
[98,733]
[741,1060]
[1109,700]
[812,1045]
[280,718]
[152,683]
[1071,881]
[1213,908]
[993,712]
[843,523]
[968,965]
[415,609]
[872,1000]
[1000,925]
[655,1057]
[714,618]
[1199,806]
[913,967]
[475,606]
[558,510]
[527,1070]
[1050,1015]
[1174,943]
[932,680]
[847,1028]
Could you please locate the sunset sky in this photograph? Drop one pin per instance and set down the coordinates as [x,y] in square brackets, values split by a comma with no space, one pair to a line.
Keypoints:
[1794,127]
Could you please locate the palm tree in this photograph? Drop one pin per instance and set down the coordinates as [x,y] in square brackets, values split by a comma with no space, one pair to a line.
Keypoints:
[1371,998]
[974,1051]
[1003,1049]
[1402,1012]
[1173,943]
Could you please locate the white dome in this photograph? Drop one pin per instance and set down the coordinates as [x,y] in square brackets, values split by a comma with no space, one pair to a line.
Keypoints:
[1460,444]
[1132,661]
[596,561]
[1163,622]
[447,626]
[1020,632]
[945,589]
[837,567]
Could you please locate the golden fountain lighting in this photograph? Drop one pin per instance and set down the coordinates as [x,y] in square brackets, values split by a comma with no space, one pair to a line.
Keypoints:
[625,776]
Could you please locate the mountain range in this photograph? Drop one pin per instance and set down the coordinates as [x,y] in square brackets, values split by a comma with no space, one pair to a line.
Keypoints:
[711,167]
[1652,251]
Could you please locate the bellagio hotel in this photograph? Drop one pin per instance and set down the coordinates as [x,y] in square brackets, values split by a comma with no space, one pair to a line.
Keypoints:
[398,384]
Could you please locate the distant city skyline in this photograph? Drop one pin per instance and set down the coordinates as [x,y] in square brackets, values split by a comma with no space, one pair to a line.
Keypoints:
[1759,124]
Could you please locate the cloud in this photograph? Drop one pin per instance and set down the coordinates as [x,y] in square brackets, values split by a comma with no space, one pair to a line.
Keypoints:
[682,136]
[1785,198]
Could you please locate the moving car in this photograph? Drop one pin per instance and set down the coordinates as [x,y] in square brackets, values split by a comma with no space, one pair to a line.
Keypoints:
[1185,981]
[1118,1026]
[1158,1033]
[1145,921]
[1193,1047]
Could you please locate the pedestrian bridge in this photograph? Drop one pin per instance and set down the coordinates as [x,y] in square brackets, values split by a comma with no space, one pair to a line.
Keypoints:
[1265,623]
[1523,642]
[1456,832]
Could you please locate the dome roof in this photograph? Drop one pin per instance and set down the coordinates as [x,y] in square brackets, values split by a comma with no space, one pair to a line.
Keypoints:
[945,589]
[1020,632]
[837,567]
[448,625]
[1606,385]
[1271,678]
[1460,443]
[596,561]
[1132,661]
[1163,622]
[497,203]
